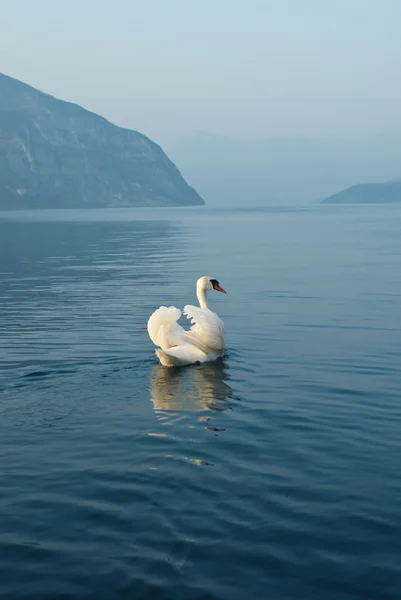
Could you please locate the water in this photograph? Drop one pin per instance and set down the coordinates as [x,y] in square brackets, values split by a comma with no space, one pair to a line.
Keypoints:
[275,473]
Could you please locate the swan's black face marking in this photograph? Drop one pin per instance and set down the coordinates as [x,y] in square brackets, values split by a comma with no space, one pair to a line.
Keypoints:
[216,286]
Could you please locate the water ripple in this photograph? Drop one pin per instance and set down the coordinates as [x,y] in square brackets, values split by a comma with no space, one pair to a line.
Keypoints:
[274,472]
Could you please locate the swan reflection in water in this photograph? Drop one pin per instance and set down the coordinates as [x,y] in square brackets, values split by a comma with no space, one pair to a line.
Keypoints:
[194,388]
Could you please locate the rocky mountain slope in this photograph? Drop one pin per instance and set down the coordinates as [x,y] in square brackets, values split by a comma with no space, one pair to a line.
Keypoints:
[54,154]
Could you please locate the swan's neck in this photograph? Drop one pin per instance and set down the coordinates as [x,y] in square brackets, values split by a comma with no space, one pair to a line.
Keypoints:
[201,295]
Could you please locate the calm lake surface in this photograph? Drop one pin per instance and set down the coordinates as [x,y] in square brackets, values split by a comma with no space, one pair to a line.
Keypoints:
[273,474]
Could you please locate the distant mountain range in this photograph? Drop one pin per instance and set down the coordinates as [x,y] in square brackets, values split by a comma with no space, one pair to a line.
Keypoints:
[368,193]
[54,154]
[273,171]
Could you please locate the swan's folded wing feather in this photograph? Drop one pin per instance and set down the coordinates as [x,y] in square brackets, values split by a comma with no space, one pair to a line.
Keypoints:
[207,328]
[163,328]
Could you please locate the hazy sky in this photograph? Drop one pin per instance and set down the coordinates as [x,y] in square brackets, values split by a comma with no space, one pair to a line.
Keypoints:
[253,68]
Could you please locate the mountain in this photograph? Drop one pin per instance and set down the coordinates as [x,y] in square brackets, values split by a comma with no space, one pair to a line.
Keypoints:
[54,154]
[368,193]
[278,170]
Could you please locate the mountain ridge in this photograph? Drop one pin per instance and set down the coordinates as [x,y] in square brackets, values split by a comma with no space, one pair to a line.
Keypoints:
[368,193]
[58,154]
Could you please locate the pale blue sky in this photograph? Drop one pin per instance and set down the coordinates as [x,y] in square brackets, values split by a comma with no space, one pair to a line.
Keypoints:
[253,68]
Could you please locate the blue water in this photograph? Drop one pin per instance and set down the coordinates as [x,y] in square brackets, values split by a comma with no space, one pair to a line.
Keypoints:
[273,474]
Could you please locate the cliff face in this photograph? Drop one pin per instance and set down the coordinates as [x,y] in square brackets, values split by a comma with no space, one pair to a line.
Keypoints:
[55,154]
[368,193]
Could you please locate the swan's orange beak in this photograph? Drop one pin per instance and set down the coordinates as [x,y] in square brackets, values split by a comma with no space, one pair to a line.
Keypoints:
[218,287]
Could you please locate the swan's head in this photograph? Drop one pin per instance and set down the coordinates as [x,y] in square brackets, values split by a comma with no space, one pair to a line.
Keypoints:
[205,284]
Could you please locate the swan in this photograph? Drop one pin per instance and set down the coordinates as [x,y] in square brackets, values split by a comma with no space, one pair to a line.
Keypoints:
[203,342]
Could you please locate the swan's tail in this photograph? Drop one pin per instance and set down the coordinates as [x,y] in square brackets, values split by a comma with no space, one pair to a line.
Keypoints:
[166,360]
[182,355]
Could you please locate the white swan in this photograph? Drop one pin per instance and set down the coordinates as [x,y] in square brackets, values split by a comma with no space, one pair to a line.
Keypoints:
[203,342]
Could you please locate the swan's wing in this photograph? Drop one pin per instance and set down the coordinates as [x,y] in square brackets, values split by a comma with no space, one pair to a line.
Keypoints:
[207,328]
[163,328]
